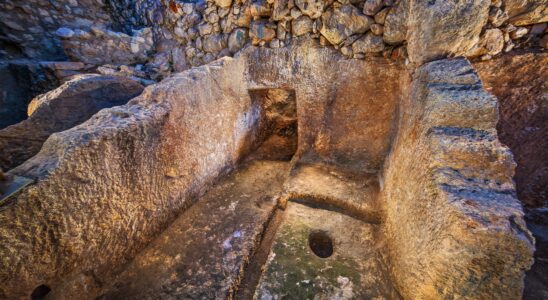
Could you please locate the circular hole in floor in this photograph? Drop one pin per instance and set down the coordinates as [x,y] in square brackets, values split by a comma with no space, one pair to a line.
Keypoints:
[320,243]
[40,292]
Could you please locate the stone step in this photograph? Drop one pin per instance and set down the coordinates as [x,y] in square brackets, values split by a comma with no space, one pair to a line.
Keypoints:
[460,105]
[333,188]
[475,153]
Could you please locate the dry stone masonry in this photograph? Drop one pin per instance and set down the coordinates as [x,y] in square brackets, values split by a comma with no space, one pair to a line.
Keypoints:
[272,149]
[171,36]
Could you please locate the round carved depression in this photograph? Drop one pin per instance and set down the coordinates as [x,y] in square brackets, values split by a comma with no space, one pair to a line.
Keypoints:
[321,244]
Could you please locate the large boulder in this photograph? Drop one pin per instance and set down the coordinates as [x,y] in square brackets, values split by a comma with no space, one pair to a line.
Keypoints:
[437,29]
[65,107]
[342,22]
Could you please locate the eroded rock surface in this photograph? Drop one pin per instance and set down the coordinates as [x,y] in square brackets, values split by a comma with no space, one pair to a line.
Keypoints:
[71,104]
[203,254]
[449,197]
[519,82]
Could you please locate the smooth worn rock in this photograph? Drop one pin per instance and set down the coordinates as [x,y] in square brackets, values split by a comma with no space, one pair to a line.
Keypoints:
[223,3]
[380,17]
[64,32]
[377,29]
[354,270]
[214,43]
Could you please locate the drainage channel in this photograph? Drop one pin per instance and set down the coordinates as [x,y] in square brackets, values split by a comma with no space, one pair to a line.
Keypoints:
[254,269]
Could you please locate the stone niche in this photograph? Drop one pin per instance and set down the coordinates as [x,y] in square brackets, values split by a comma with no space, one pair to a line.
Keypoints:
[276,135]
[245,158]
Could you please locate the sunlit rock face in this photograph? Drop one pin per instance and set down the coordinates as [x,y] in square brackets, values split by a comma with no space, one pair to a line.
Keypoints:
[272,149]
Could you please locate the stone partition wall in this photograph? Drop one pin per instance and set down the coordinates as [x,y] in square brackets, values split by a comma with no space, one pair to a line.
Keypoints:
[107,187]
[454,227]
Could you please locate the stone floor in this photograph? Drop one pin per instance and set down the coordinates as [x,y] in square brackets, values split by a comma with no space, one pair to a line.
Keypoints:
[235,243]
[202,255]
[321,254]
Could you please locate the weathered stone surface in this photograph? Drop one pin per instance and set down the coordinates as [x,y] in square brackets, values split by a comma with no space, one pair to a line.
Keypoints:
[518,81]
[106,188]
[259,8]
[395,23]
[497,16]
[301,26]
[311,8]
[491,43]
[223,3]
[71,104]
[15,93]
[451,209]
[214,43]
[262,31]
[355,270]
[526,12]
[372,7]
[93,186]
[280,10]
[341,23]
[237,40]
[179,60]
[328,186]
[31,25]
[369,43]
[101,46]
[440,28]
[207,246]
[149,184]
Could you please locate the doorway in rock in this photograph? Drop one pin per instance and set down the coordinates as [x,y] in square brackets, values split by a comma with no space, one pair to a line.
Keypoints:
[276,135]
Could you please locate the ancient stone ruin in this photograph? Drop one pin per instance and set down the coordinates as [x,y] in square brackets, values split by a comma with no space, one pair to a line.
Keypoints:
[273,149]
